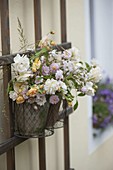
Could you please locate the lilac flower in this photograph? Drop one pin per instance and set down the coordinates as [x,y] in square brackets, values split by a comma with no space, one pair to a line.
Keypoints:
[59,75]
[24,95]
[54,99]
[54,67]
[45,70]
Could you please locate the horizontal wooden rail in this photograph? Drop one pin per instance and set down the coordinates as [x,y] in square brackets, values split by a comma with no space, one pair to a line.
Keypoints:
[10,143]
[8,59]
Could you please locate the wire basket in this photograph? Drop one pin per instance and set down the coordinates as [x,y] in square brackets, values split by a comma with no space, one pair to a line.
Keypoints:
[30,120]
[53,119]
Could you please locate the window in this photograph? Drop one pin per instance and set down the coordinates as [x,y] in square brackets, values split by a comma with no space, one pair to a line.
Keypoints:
[99,45]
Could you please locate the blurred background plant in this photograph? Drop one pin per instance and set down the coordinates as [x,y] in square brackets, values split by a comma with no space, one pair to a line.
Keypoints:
[103,105]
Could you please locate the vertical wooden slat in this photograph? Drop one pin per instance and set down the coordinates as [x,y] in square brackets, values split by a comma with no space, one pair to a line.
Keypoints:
[38,33]
[92,35]
[5,39]
[37,19]
[66,141]
[42,154]
[63,20]
[66,120]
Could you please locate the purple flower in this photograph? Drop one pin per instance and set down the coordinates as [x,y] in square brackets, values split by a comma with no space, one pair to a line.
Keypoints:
[105,92]
[24,94]
[54,67]
[105,122]
[95,98]
[95,119]
[54,99]
[59,75]
[110,108]
[45,70]
[108,81]
[107,119]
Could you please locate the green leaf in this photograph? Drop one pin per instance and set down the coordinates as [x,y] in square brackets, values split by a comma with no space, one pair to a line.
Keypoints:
[88,66]
[81,94]
[76,105]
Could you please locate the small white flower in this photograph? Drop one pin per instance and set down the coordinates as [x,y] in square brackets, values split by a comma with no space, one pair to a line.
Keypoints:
[13,95]
[88,89]
[59,75]
[42,59]
[63,86]
[65,65]
[70,66]
[57,56]
[75,53]
[94,62]
[95,74]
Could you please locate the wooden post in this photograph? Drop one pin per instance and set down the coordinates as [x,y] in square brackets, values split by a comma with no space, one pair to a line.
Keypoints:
[63,20]
[66,120]
[5,39]
[37,19]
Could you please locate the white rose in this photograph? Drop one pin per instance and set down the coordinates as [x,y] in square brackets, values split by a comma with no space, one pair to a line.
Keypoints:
[51,86]
[21,63]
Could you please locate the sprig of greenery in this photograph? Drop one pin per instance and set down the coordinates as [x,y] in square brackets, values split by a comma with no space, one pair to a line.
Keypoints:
[22,38]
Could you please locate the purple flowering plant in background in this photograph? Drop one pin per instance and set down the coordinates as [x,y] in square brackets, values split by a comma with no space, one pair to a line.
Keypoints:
[103,105]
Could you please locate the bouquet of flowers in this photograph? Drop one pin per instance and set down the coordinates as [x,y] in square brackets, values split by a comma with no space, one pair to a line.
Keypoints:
[45,77]
[103,105]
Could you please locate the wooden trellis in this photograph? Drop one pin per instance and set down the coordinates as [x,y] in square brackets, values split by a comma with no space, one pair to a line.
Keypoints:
[5,61]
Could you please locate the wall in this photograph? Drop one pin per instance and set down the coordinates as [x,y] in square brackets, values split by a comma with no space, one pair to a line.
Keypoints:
[27,152]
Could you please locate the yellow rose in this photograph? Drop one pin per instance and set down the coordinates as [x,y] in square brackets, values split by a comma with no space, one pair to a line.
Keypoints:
[41,86]
[34,68]
[20,99]
[36,65]
[32,92]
